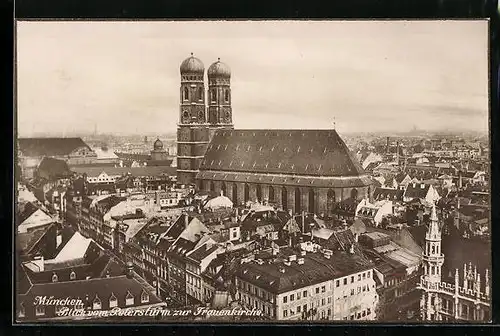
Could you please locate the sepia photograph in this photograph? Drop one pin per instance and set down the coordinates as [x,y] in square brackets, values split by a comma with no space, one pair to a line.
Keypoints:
[252,172]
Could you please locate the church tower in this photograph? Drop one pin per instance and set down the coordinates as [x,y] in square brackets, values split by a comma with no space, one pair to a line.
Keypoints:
[432,262]
[220,114]
[192,130]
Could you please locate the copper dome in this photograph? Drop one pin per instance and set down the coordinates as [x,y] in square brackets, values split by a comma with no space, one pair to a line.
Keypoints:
[192,65]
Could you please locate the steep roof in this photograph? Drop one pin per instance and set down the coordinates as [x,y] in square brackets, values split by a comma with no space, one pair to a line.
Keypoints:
[53,168]
[386,193]
[133,171]
[416,190]
[50,146]
[290,152]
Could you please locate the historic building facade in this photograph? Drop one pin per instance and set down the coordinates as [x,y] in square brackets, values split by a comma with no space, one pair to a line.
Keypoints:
[297,170]
[465,300]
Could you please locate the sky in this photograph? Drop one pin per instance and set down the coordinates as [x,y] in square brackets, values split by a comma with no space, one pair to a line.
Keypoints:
[367,76]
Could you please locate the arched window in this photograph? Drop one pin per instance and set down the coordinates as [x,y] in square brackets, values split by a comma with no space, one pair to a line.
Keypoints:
[271,194]
[312,201]
[284,198]
[213,95]
[354,193]
[210,186]
[258,192]
[235,194]
[298,195]
[226,95]
[223,188]
[186,93]
[200,93]
[330,200]
[185,115]
[247,193]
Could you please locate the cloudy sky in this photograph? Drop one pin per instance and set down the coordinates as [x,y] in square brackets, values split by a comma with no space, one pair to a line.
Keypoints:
[368,76]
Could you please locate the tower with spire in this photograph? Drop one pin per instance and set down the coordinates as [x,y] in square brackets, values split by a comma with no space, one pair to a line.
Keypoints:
[432,262]
[465,299]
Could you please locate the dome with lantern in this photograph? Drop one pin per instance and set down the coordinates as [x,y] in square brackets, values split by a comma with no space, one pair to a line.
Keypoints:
[158,145]
[192,65]
[219,69]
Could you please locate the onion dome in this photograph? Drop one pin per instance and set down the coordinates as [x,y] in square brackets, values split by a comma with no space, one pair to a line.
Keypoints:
[192,65]
[219,69]
[158,145]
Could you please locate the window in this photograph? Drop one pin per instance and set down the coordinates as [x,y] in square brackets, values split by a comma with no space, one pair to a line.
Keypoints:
[329,299]
[359,315]
[368,311]
[317,290]
[364,313]
[113,302]
[298,309]
[352,291]
[226,95]
[364,275]
[292,297]
[54,277]
[368,274]
[129,299]
[352,317]
[186,93]
[359,277]
[145,297]
[200,93]
[323,302]
[285,299]
[304,294]
[323,289]
[364,288]
[40,310]
[285,313]
[337,283]
[298,295]
[96,304]
[72,275]
[352,279]
[213,94]
[359,289]
[345,281]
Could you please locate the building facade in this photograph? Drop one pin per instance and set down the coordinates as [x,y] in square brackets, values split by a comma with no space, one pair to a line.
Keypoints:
[465,300]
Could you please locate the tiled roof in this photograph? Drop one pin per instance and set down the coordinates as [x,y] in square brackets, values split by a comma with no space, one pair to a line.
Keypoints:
[50,146]
[103,288]
[291,152]
[386,193]
[315,269]
[26,241]
[25,211]
[53,168]
[202,252]
[415,190]
[134,171]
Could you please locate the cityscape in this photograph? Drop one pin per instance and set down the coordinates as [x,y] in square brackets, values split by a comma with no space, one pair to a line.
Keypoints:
[204,220]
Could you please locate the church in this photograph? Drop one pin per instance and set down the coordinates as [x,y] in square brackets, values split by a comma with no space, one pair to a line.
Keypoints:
[296,170]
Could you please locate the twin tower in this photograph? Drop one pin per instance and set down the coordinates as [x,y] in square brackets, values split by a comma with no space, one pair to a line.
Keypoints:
[197,122]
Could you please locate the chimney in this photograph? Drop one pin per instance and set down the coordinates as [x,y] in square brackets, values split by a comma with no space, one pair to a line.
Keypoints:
[397,153]
[282,270]
[356,237]
[290,212]
[300,261]
[351,250]
[387,146]
[130,269]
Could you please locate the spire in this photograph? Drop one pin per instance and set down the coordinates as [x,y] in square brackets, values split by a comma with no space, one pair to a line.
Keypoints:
[434,232]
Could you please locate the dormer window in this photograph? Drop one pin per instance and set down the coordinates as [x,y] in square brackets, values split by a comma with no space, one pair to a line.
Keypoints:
[54,277]
[144,297]
[129,299]
[113,301]
[72,275]
[40,310]
[96,304]
[22,310]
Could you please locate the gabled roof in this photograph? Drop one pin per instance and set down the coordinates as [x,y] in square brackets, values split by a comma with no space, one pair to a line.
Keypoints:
[415,190]
[290,152]
[133,171]
[50,146]
[386,193]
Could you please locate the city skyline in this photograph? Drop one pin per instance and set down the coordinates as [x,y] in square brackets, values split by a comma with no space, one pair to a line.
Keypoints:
[124,76]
